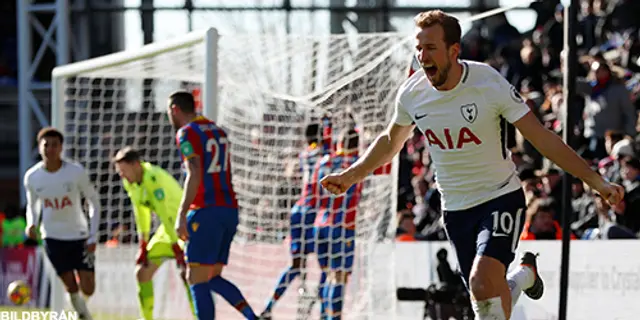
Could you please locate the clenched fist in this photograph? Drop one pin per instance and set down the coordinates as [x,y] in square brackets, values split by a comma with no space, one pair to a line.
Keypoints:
[611,192]
[337,183]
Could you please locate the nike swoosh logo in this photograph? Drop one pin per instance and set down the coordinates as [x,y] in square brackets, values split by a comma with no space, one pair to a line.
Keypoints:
[420,116]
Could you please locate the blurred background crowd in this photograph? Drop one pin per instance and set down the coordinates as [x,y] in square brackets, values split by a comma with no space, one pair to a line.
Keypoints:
[605,130]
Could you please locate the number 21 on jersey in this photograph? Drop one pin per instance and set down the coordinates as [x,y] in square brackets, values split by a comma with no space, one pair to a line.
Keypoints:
[215,147]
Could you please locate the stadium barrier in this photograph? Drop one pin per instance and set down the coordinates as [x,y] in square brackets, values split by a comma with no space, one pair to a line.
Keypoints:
[604,279]
[28,264]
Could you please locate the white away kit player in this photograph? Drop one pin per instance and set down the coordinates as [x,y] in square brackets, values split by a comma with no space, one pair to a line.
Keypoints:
[55,187]
[459,105]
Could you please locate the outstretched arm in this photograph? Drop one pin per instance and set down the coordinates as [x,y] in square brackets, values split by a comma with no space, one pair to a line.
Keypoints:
[380,152]
[33,210]
[551,146]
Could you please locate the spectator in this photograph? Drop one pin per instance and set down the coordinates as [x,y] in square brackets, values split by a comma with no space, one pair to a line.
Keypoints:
[608,227]
[13,226]
[608,107]
[583,209]
[554,32]
[617,148]
[590,19]
[406,228]
[540,223]
[630,173]
[552,187]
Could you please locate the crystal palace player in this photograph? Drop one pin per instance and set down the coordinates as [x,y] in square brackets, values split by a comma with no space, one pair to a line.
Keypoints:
[56,186]
[151,188]
[208,213]
[458,106]
[303,214]
[336,222]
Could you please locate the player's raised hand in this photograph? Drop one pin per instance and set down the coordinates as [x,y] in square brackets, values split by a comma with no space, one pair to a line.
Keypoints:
[611,192]
[337,183]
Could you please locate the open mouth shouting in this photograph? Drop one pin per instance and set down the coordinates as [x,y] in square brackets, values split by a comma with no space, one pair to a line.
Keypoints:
[430,70]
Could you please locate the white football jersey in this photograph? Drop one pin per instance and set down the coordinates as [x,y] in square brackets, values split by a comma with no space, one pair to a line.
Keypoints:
[462,129]
[58,196]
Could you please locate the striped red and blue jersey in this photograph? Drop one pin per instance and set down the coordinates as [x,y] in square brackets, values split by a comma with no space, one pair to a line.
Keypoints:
[204,139]
[337,210]
[308,160]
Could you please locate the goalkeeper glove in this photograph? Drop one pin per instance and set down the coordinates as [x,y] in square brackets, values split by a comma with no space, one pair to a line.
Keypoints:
[177,251]
[141,257]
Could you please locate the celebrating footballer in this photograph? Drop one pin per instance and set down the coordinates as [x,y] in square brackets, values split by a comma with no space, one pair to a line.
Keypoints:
[458,105]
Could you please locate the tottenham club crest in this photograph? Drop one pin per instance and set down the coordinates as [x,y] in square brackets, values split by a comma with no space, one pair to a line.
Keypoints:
[469,112]
[67,186]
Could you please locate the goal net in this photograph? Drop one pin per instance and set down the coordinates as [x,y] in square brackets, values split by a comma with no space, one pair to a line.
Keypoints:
[264,91]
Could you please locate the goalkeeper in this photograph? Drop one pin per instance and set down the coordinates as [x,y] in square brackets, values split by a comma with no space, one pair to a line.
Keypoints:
[151,188]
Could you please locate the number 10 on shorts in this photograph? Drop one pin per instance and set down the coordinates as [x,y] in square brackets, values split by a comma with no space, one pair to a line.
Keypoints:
[506,225]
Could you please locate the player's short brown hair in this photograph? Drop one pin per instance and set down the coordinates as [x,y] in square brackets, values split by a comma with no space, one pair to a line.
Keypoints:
[183,100]
[50,132]
[450,24]
[127,154]
[313,133]
[350,139]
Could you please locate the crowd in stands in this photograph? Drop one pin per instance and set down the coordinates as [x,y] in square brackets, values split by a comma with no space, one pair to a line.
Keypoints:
[12,226]
[605,130]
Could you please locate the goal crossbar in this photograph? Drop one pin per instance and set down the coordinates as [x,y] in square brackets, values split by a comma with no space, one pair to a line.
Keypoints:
[123,57]
[208,36]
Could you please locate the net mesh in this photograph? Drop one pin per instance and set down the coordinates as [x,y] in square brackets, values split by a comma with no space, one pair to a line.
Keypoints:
[270,89]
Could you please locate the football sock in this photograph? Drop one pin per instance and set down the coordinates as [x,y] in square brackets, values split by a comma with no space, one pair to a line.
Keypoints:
[205,310]
[232,294]
[335,301]
[521,278]
[490,309]
[326,299]
[321,286]
[145,299]
[515,291]
[287,276]
[79,304]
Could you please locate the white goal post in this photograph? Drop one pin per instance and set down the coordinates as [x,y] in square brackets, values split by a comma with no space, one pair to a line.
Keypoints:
[264,90]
